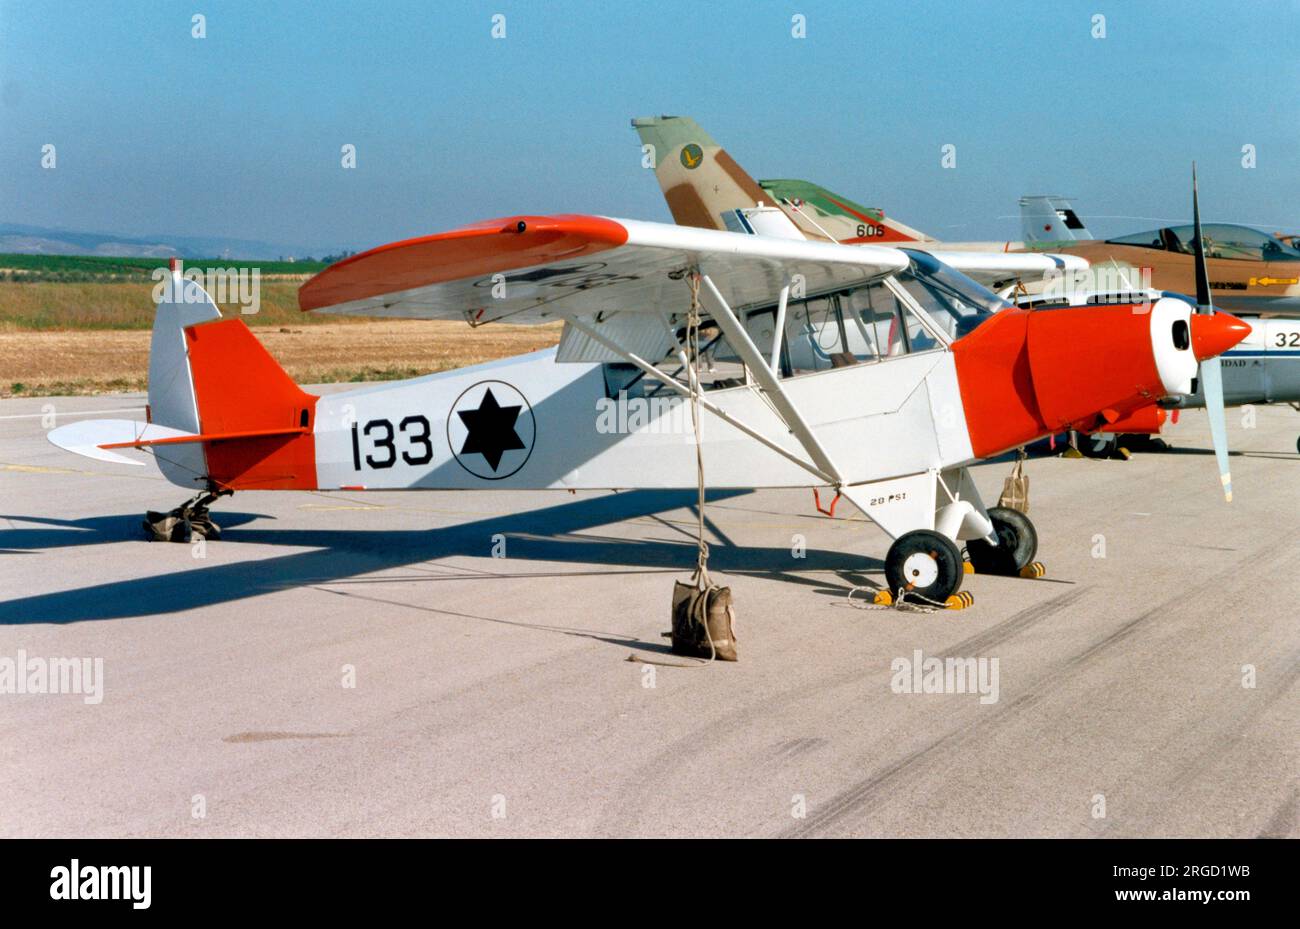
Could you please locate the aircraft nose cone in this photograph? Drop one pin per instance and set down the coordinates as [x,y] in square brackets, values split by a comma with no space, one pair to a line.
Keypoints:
[1215,334]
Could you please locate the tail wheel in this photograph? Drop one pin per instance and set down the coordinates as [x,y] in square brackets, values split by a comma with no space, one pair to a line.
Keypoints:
[1017,544]
[924,563]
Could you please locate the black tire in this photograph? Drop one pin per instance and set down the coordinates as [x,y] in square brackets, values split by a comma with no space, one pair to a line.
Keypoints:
[1016,548]
[936,570]
[1098,445]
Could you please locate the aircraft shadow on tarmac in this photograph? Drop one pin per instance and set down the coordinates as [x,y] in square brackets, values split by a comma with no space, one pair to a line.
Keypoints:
[1148,447]
[539,535]
[1234,453]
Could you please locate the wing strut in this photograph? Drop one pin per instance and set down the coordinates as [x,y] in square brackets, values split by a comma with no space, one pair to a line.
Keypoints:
[778,331]
[740,341]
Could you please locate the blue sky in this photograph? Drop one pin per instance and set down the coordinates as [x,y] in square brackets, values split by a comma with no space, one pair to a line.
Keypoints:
[238,134]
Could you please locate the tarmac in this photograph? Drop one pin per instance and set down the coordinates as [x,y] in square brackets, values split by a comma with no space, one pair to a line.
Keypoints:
[360,664]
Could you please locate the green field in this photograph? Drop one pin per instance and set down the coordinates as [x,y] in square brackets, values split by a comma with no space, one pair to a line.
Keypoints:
[94,268]
[68,292]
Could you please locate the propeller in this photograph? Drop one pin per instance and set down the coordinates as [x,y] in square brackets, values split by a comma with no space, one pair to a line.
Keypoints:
[1211,372]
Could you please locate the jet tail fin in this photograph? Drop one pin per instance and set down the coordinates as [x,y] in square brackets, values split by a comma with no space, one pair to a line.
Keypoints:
[837,217]
[699,179]
[1051,219]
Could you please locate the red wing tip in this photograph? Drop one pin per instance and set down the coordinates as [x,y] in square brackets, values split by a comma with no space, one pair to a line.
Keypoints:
[596,231]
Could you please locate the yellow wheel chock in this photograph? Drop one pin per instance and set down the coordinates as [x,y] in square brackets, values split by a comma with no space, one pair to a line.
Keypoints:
[961,600]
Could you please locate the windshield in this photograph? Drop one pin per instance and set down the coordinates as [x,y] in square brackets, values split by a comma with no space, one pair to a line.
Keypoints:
[954,301]
[1222,240]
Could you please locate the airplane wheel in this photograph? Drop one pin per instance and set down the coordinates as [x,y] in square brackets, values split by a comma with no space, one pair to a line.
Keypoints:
[1017,544]
[924,563]
[1099,445]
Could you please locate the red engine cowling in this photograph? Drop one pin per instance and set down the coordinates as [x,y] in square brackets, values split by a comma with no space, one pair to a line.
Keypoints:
[1147,421]
[1027,374]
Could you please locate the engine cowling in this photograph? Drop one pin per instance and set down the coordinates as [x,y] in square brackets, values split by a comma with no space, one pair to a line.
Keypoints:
[1030,373]
[1147,420]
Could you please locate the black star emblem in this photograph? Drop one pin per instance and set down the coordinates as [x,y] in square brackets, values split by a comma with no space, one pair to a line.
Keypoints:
[491,430]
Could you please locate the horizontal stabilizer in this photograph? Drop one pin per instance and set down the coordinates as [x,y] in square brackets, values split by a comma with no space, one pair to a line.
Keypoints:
[98,438]
[186,438]
[88,437]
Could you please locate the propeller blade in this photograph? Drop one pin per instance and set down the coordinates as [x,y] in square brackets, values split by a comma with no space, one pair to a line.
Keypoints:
[1211,375]
[1211,372]
[1203,298]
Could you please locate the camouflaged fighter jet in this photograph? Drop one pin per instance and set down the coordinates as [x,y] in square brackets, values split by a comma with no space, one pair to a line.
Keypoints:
[1250,271]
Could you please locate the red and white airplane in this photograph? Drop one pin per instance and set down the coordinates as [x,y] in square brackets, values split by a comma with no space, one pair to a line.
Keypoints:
[880,373]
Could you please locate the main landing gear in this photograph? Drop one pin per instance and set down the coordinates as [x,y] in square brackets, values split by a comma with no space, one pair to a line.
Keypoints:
[186,521]
[925,565]
[1016,548]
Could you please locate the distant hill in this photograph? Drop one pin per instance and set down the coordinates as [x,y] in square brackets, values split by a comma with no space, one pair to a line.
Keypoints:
[38,240]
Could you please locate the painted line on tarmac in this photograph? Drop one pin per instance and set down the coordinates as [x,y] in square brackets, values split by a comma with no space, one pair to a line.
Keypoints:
[125,409]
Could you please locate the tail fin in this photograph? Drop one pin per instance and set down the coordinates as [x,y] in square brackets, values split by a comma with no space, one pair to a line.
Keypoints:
[699,179]
[172,403]
[222,412]
[260,421]
[838,217]
[1051,219]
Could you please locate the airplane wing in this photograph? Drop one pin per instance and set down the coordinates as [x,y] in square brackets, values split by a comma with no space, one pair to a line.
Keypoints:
[535,269]
[993,269]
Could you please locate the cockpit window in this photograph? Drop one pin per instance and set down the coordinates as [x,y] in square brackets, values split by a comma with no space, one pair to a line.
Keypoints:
[1222,240]
[954,301]
[1156,238]
[870,322]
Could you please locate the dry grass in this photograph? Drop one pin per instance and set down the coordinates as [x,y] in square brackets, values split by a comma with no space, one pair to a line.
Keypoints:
[46,363]
[93,337]
[49,306]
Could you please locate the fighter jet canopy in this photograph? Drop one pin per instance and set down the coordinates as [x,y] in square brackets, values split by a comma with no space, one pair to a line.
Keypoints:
[1222,240]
